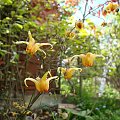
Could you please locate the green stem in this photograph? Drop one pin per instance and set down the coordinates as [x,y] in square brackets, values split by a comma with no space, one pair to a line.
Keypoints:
[33,100]
[80,79]
[85,10]
[31,97]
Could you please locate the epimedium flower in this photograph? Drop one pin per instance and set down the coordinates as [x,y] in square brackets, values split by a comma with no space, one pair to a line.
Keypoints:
[41,84]
[88,58]
[79,25]
[68,72]
[111,8]
[104,24]
[70,34]
[32,46]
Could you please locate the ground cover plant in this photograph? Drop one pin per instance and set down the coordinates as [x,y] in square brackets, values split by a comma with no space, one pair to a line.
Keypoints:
[59,60]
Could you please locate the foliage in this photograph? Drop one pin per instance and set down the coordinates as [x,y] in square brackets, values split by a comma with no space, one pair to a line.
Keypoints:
[54,24]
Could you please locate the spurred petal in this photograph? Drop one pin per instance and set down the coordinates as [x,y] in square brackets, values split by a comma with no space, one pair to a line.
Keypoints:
[42,52]
[100,56]
[76,69]
[30,79]
[21,42]
[76,56]
[31,39]
[43,44]
[52,78]
[63,70]
[45,75]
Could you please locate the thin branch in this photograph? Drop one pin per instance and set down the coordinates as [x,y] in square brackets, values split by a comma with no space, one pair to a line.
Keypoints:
[95,9]
[85,10]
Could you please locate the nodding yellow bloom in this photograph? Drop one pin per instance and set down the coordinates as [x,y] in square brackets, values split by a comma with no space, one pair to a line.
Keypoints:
[104,24]
[70,34]
[79,25]
[32,46]
[41,84]
[97,33]
[111,7]
[88,59]
[12,114]
[68,72]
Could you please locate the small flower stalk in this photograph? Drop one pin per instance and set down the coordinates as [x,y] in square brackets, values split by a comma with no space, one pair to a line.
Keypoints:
[41,84]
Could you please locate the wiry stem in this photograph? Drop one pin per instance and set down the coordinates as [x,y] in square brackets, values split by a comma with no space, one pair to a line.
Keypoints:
[95,9]
[85,10]
[33,100]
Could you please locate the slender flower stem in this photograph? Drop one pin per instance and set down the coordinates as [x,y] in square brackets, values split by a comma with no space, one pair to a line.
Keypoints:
[71,30]
[85,10]
[31,97]
[33,100]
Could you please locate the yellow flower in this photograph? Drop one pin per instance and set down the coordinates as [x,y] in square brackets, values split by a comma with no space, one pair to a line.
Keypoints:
[12,114]
[79,25]
[111,7]
[68,72]
[104,24]
[88,59]
[32,46]
[98,33]
[41,84]
[70,34]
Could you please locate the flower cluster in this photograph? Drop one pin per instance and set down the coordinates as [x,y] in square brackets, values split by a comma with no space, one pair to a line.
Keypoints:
[78,25]
[110,8]
[87,61]
[18,111]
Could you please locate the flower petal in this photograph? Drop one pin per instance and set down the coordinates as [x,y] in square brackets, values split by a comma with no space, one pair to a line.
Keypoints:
[63,70]
[45,75]
[31,39]
[21,42]
[81,55]
[29,79]
[42,44]
[101,56]
[52,78]
[77,69]
[43,52]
